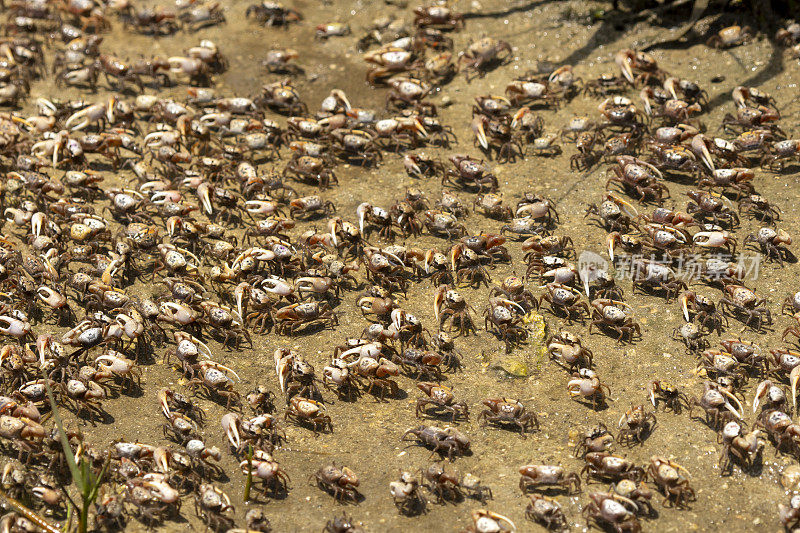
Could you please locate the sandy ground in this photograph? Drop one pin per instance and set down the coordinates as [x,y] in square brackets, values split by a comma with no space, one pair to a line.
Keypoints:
[366,433]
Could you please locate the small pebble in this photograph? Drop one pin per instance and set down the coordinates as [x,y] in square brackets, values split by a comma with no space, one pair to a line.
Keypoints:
[790,477]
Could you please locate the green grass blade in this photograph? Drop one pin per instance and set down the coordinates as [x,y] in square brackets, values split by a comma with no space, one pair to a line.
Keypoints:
[77,475]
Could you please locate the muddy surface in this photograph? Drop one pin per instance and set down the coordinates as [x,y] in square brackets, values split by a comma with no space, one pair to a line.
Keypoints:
[366,432]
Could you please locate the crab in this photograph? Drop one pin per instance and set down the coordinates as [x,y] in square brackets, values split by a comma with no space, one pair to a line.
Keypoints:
[614,213]
[447,441]
[217,381]
[771,243]
[565,299]
[532,91]
[437,17]
[282,97]
[587,385]
[409,93]
[611,314]
[548,476]
[621,116]
[537,207]
[547,512]
[449,304]
[421,165]
[595,439]
[503,321]
[308,412]
[567,350]
[513,288]
[609,467]
[484,521]
[730,36]
[758,207]
[311,169]
[671,480]
[742,301]
[672,397]
[635,425]
[271,13]
[299,316]
[614,510]
[607,84]
[469,172]
[738,446]
[782,151]
[508,411]
[484,54]
[340,482]
[654,276]
[632,61]
[310,206]
[440,397]
[640,176]
[378,373]
[407,495]
[495,134]
[716,405]
[356,145]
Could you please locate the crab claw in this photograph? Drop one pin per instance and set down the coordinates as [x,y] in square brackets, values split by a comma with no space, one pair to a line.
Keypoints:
[173,223]
[585,279]
[455,253]
[420,127]
[109,271]
[162,399]
[623,61]
[644,94]
[42,343]
[623,204]
[362,214]
[112,102]
[412,165]
[203,191]
[230,423]
[221,368]
[6,471]
[685,297]
[506,301]
[161,197]
[500,519]
[611,242]
[729,407]
[162,491]
[761,391]
[20,120]
[161,457]
[740,95]
[669,85]
[437,301]
[397,317]
[630,502]
[239,292]
[282,368]
[333,225]
[794,377]
[574,387]
[480,132]
[428,256]
[700,149]
[37,219]
[339,95]
[518,115]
